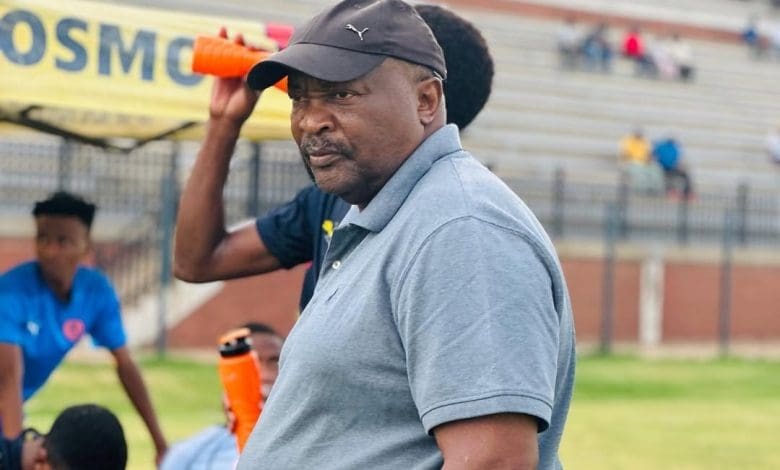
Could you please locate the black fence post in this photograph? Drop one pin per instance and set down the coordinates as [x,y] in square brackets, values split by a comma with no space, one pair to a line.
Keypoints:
[608,282]
[64,157]
[253,193]
[683,228]
[559,203]
[167,222]
[621,209]
[724,317]
[742,213]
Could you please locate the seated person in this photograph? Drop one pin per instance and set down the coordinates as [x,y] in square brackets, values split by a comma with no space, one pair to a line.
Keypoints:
[752,37]
[773,145]
[668,154]
[82,437]
[634,49]
[681,54]
[215,446]
[597,50]
[635,155]
[49,304]
[569,43]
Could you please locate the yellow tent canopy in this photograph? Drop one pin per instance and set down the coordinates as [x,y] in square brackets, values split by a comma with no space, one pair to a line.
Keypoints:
[96,71]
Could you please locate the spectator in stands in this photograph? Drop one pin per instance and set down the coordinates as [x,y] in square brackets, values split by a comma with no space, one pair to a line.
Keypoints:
[299,231]
[82,437]
[634,49]
[568,39]
[775,41]
[597,50]
[661,55]
[682,56]
[668,154]
[773,151]
[48,305]
[215,447]
[773,145]
[752,37]
[636,159]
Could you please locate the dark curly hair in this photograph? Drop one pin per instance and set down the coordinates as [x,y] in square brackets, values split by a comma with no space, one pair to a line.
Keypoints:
[469,64]
[86,437]
[64,203]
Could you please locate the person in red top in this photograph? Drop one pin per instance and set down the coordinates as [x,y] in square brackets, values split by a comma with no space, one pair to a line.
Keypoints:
[634,49]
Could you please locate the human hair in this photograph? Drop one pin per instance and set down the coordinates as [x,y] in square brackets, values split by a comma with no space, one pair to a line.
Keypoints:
[86,437]
[469,63]
[260,328]
[67,204]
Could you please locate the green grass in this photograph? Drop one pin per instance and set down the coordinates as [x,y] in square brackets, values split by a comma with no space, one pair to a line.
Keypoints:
[627,413]
[674,414]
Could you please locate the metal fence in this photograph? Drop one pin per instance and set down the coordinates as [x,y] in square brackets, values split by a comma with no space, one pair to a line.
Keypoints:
[581,210]
[138,192]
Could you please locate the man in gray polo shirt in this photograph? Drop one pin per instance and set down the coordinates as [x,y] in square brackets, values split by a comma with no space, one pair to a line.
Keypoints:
[440,332]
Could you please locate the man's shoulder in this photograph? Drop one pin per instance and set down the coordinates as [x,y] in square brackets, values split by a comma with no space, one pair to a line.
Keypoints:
[21,274]
[461,186]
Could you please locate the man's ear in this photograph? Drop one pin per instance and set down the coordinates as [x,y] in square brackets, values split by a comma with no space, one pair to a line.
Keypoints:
[430,100]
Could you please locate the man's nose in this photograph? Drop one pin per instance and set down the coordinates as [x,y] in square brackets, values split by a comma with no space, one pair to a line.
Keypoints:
[316,117]
[48,249]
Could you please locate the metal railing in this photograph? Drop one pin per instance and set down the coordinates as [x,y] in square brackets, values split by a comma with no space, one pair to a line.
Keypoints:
[577,210]
[138,192]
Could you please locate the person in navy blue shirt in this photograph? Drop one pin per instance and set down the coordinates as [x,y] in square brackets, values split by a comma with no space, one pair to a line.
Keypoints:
[49,304]
[299,231]
[668,154]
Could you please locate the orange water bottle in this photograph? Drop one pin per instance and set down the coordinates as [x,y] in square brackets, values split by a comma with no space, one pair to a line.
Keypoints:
[239,371]
[221,57]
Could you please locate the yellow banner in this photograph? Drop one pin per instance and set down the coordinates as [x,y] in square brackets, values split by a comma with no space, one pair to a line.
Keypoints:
[69,62]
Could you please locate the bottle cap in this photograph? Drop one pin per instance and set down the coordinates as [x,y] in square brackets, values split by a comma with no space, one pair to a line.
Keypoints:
[235,342]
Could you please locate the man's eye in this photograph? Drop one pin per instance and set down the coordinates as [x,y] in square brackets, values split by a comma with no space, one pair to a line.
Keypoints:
[342,95]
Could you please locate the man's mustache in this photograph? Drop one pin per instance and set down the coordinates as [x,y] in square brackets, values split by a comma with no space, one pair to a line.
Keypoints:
[319,146]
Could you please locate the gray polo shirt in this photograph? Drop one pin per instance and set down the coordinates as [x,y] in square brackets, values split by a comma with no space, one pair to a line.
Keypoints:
[442,300]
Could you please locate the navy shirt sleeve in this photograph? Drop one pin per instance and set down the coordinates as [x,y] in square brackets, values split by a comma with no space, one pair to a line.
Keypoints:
[286,230]
[299,232]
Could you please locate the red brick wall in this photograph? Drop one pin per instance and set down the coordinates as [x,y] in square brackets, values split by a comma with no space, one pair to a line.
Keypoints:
[584,277]
[756,303]
[13,251]
[691,300]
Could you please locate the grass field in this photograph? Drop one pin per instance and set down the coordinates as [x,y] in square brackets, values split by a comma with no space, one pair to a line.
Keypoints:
[627,414]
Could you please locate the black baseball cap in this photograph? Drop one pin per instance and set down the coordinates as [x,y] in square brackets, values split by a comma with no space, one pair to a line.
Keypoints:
[349,40]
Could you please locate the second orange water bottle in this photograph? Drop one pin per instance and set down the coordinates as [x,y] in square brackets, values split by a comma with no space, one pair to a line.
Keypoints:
[239,371]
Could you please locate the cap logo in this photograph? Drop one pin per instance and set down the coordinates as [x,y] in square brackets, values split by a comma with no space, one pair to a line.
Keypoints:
[349,27]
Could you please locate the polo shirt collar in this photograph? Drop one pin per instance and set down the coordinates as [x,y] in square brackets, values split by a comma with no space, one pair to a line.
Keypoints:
[389,199]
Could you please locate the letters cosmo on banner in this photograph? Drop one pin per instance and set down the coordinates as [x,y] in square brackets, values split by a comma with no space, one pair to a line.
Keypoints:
[106,58]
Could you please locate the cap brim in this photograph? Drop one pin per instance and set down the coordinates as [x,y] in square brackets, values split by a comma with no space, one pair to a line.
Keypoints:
[332,64]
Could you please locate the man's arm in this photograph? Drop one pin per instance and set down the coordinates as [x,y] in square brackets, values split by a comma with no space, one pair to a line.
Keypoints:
[204,249]
[134,386]
[11,373]
[493,442]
